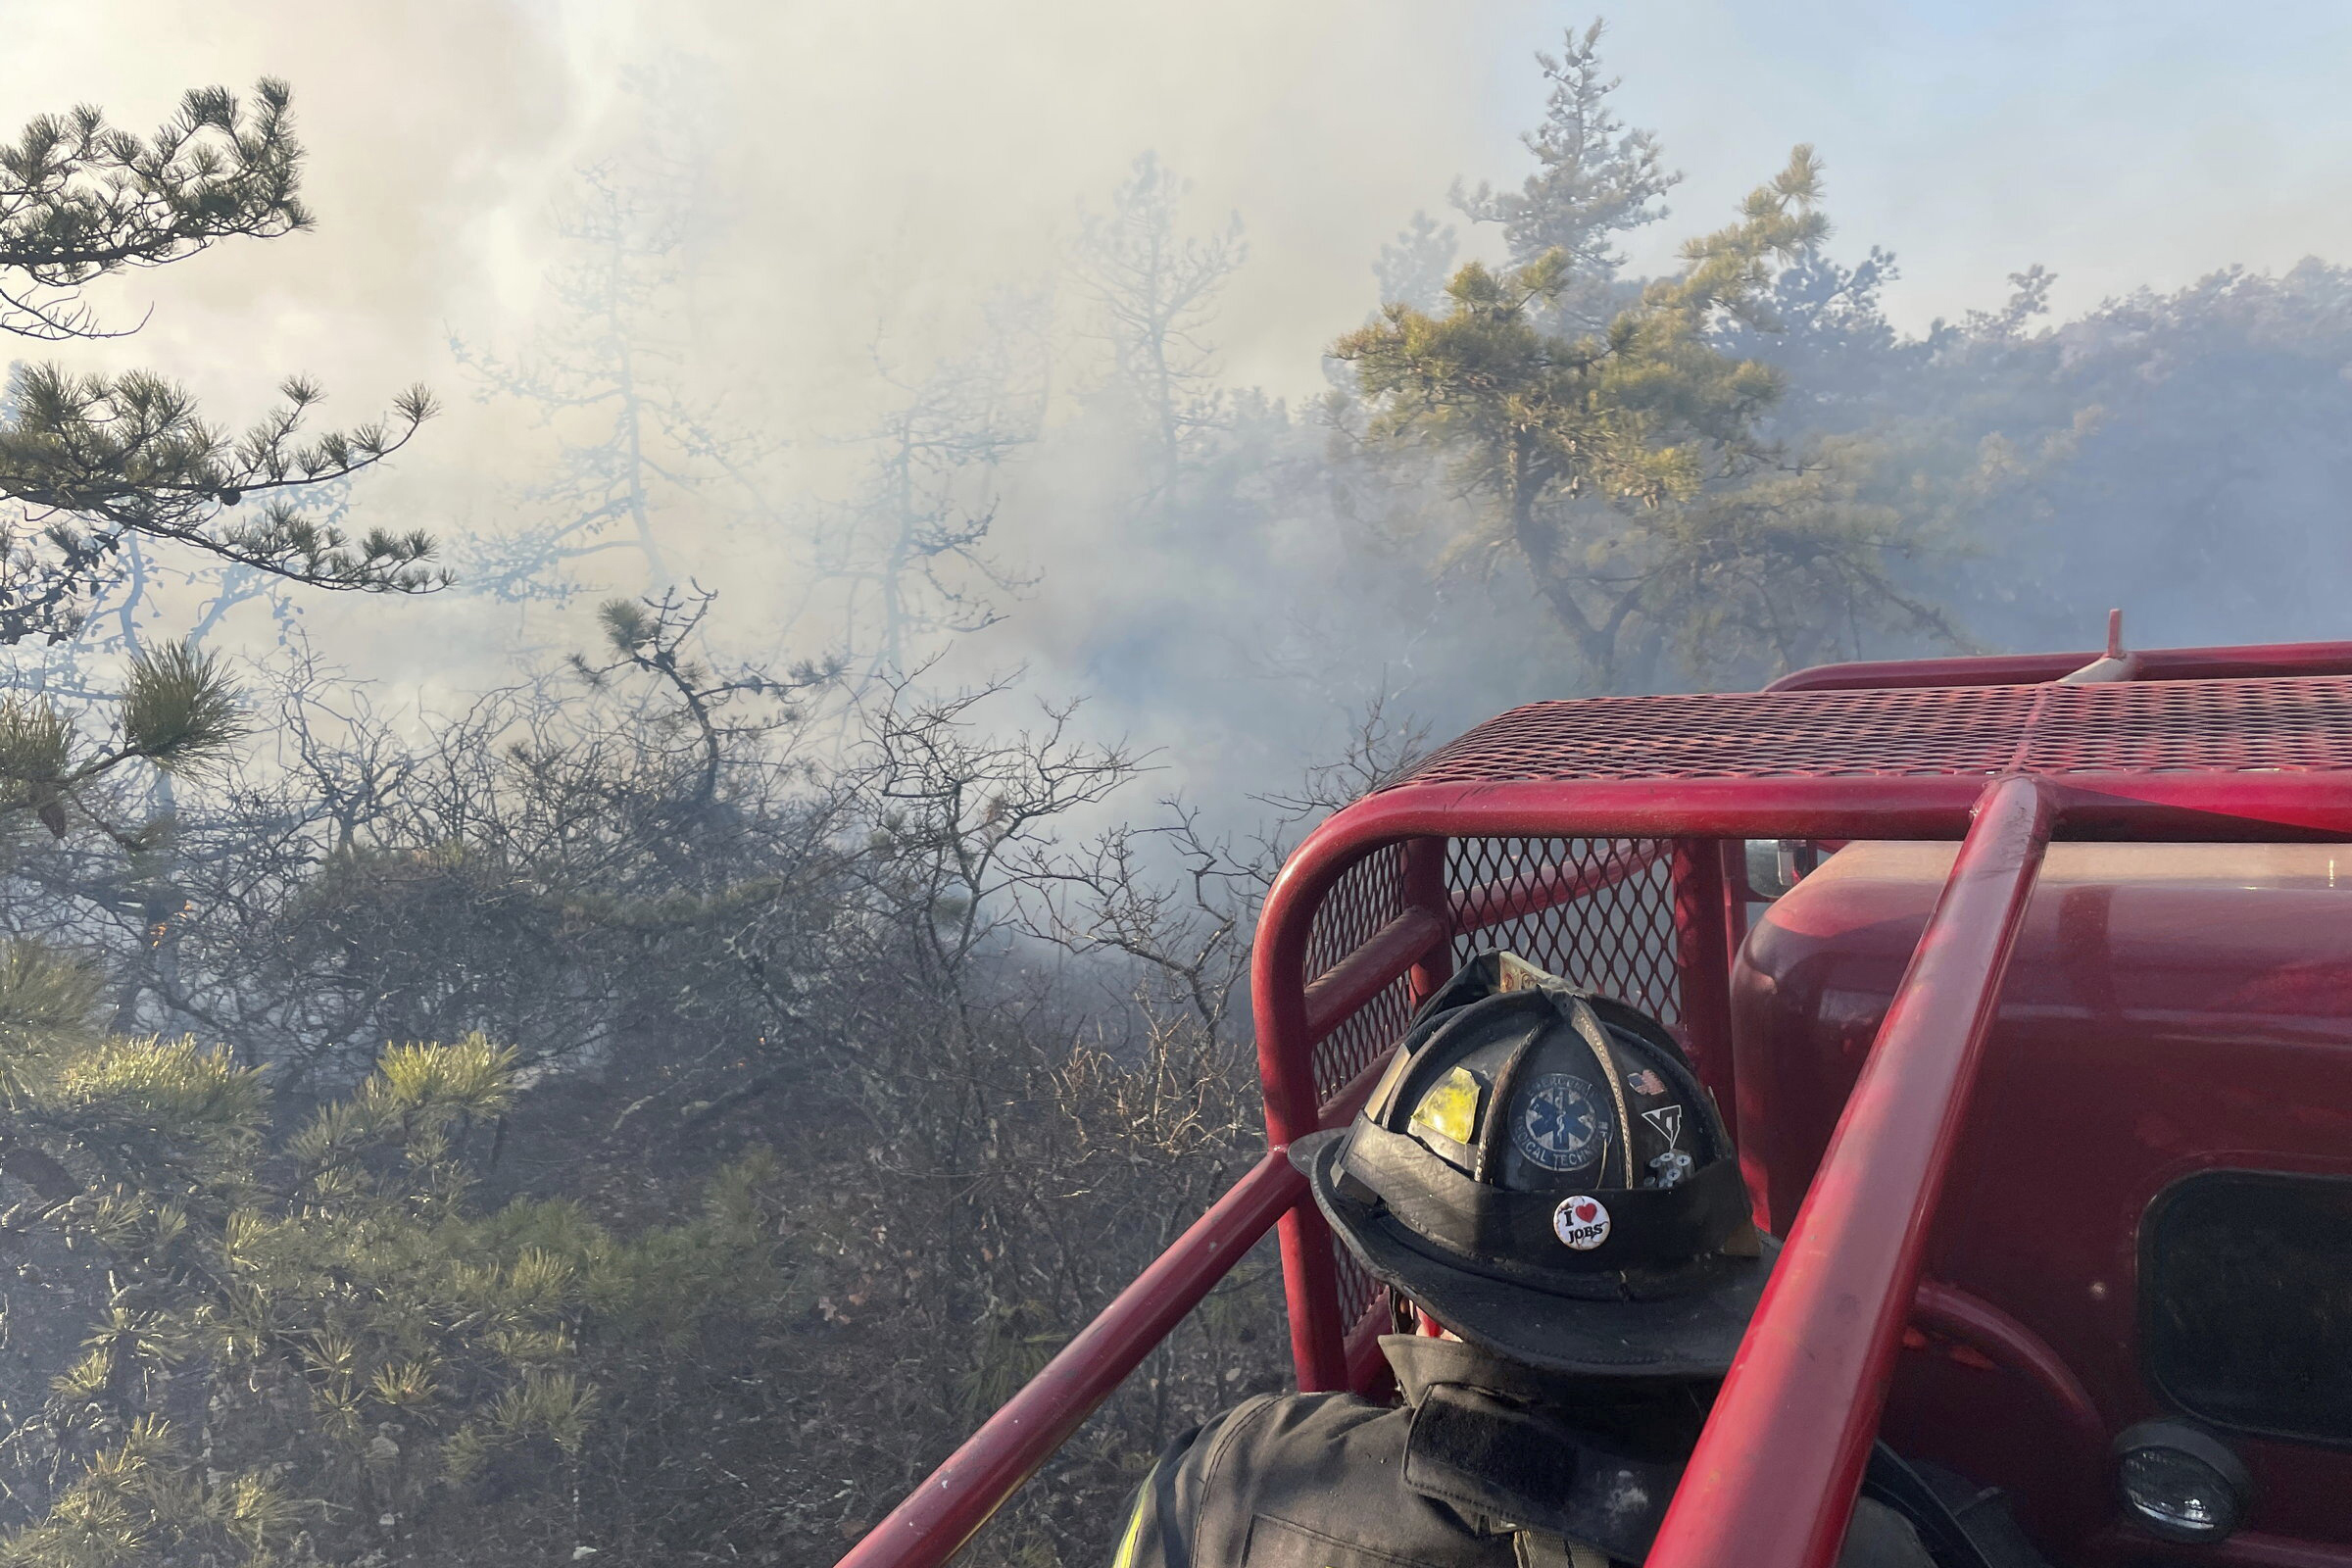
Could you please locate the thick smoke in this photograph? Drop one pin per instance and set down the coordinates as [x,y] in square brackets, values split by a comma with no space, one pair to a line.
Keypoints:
[681,1023]
[855,258]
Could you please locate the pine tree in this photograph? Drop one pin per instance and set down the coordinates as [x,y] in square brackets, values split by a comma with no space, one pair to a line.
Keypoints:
[911,551]
[314,1343]
[1412,268]
[179,712]
[1626,466]
[96,461]
[1594,180]
[643,452]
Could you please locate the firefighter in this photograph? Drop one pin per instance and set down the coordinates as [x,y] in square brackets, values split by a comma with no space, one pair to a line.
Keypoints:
[1554,1203]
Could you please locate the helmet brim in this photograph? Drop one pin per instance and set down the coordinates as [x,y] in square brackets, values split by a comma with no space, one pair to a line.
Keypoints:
[1691,1335]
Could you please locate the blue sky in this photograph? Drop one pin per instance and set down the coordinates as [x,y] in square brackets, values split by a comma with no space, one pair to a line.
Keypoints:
[901,156]
[2117,144]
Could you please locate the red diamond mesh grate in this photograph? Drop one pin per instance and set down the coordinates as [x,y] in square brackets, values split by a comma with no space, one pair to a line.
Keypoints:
[2300,724]
[1358,1291]
[1367,895]
[1617,940]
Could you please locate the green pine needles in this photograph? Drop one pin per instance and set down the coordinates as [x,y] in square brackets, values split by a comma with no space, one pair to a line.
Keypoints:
[94,460]
[178,713]
[1628,468]
[316,1346]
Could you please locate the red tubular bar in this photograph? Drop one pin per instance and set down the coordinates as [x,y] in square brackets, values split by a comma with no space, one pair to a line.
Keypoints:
[1736,896]
[2250,806]
[2023,669]
[1705,969]
[1425,889]
[1771,1481]
[1732,876]
[956,1500]
[1402,945]
[2003,1340]
[1286,1069]
[1302,1016]
[1312,1294]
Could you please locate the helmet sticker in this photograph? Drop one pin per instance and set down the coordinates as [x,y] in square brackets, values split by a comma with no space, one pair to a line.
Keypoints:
[1580,1223]
[1450,1110]
[1645,1082]
[1668,1170]
[1562,1126]
[1514,973]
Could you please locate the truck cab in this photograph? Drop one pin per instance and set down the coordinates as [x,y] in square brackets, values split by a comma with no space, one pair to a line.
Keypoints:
[2150,1203]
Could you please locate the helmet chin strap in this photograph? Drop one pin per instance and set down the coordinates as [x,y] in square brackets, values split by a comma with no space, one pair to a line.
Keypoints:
[1407,1317]
[1429,1328]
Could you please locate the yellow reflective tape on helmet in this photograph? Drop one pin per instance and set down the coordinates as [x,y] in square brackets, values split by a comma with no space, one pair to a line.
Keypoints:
[1450,1110]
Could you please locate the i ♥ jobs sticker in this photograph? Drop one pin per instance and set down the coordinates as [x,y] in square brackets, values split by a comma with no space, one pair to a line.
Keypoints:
[1580,1223]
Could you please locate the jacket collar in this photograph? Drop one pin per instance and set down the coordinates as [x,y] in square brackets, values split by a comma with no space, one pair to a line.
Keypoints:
[1421,1362]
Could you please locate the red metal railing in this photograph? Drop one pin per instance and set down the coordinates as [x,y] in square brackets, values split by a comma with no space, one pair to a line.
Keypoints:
[2021,669]
[956,1500]
[1774,1477]
[1674,777]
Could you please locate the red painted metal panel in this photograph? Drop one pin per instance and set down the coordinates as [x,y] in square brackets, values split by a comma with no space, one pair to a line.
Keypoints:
[2169,1008]
[2008,1342]
[1771,1481]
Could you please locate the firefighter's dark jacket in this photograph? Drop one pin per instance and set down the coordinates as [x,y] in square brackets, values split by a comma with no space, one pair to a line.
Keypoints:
[1476,1470]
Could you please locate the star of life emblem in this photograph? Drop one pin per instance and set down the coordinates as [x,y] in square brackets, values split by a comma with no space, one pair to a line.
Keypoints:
[1562,1125]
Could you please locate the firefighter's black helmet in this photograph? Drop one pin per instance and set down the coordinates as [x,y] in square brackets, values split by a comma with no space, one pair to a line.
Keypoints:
[1541,1170]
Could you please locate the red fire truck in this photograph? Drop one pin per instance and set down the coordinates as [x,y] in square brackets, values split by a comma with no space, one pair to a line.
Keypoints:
[2045,1076]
